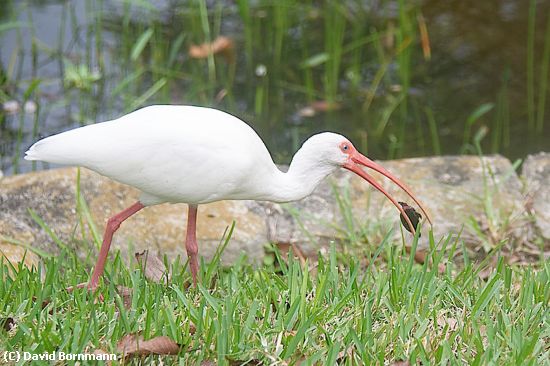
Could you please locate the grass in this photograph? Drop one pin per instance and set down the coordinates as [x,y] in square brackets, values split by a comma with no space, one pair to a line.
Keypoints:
[344,310]
[360,301]
[365,302]
[356,302]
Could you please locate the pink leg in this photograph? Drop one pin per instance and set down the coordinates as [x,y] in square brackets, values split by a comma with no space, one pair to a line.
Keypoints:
[191,242]
[112,225]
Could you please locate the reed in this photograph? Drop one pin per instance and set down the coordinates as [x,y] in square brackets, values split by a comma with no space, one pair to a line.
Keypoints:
[543,80]
[434,135]
[501,124]
[335,28]
[531,23]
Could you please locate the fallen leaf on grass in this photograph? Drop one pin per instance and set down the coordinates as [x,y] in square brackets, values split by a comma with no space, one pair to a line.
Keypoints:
[7,323]
[420,257]
[285,248]
[192,328]
[44,303]
[221,45]
[134,345]
[153,267]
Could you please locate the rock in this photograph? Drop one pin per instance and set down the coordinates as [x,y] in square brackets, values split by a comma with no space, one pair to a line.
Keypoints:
[451,187]
[15,254]
[311,223]
[457,191]
[51,194]
[536,173]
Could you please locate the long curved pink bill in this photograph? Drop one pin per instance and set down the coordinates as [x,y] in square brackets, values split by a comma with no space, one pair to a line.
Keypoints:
[357,170]
[363,160]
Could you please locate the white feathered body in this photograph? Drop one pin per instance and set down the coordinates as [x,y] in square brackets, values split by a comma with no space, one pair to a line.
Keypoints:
[171,153]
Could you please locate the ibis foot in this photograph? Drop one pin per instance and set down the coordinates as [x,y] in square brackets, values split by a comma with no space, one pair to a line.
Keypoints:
[112,225]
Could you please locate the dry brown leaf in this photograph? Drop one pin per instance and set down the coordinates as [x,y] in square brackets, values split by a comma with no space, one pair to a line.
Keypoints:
[153,267]
[192,328]
[424,37]
[221,45]
[420,256]
[134,345]
[284,248]
[44,303]
[8,323]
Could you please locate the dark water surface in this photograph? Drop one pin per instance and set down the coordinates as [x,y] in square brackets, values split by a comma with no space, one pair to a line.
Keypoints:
[297,69]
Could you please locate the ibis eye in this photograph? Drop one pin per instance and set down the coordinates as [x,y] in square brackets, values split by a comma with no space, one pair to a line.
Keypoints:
[345,147]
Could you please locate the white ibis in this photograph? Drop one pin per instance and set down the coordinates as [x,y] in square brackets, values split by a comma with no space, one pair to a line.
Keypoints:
[195,155]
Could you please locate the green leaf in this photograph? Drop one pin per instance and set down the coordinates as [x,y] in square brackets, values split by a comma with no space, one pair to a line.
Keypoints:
[487,295]
[141,43]
[315,60]
[32,87]
[148,94]
[479,112]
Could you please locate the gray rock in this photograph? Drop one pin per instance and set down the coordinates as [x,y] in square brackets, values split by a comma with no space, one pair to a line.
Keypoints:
[536,173]
[480,197]
[464,193]
[452,188]
[51,194]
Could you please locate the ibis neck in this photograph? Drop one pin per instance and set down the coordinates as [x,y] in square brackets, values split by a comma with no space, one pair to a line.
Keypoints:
[303,176]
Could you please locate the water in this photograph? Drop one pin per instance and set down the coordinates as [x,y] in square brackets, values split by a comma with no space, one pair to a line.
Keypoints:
[287,57]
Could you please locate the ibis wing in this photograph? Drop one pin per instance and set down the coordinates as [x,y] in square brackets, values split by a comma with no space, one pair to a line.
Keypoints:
[173,153]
